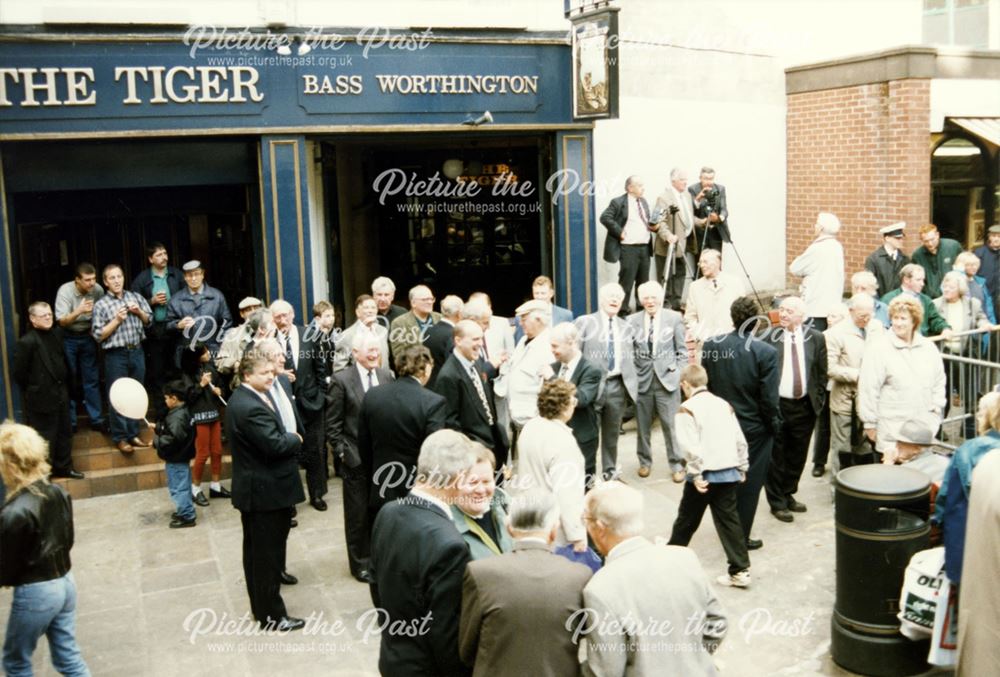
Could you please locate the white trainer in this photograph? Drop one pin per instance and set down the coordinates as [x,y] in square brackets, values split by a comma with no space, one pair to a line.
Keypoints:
[740,579]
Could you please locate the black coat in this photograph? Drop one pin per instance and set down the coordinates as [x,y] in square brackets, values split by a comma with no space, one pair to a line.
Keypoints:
[745,373]
[440,340]
[310,374]
[717,233]
[40,371]
[587,378]
[816,363]
[174,436]
[36,535]
[885,270]
[614,217]
[464,410]
[265,469]
[343,411]
[396,418]
[418,559]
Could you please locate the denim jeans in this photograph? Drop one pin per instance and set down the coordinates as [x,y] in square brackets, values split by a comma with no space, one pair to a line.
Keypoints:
[118,363]
[179,486]
[47,608]
[81,354]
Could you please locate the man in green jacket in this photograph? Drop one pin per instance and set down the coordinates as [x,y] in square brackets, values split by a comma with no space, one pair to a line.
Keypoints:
[937,255]
[912,282]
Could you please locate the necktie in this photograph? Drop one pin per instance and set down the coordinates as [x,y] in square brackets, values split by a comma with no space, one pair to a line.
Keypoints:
[611,344]
[478,383]
[796,372]
[715,283]
[562,373]
[486,353]
[289,361]
[642,212]
[649,336]
[864,334]
[371,384]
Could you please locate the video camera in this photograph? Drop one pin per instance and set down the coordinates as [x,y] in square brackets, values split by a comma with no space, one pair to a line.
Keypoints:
[710,198]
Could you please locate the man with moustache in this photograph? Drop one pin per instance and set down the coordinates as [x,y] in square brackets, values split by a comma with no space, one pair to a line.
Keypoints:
[629,241]
[348,388]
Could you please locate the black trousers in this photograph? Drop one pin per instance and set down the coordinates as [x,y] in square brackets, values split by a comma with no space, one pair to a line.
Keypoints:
[821,443]
[634,271]
[356,531]
[265,539]
[312,456]
[721,499]
[589,451]
[791,448]
[55,428]
[160,348]
[759,443]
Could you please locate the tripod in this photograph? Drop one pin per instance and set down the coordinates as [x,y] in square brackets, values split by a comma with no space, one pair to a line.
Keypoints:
[726,237]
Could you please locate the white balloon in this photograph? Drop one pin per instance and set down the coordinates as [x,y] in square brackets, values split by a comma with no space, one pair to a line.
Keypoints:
[129,398]
[452,168]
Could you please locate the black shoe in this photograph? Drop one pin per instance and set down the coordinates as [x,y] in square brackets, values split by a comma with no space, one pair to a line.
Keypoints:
[795,506]
[286,624]
[200,499]
[221,492]
[783,515]
[70,474]
[754,544]
[818,470]
[288,579]
[364,576]
[318,503]
[181,523]
[293,524]
[295,511]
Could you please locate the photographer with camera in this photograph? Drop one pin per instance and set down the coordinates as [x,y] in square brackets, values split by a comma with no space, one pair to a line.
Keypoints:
[709,200]
[674,215]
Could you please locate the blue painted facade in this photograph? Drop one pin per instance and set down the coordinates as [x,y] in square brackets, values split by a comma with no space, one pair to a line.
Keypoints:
[60,89]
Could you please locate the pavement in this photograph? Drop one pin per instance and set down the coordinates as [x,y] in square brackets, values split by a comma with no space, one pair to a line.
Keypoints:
[156,601]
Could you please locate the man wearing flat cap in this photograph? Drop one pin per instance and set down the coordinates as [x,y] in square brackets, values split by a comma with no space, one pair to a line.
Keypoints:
[198,312]
[532,358]
[989,268]
[913,449]
[886,261]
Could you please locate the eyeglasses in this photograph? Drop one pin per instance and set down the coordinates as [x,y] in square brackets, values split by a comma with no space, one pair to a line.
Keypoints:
[42,316]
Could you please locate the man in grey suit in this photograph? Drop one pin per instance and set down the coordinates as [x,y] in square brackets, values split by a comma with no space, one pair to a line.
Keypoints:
[665,641]
[660,353]
[674,214]
[604,341]
[504,629]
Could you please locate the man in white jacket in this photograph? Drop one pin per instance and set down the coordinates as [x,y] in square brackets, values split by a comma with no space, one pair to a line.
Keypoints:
[716,452]
[531,360]
[821,267]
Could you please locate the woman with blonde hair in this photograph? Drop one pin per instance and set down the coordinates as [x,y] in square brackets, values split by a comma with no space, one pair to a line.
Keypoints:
[902,377]
[36,534]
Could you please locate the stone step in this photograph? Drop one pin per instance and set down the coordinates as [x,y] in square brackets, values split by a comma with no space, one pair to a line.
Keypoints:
[125,479]
[107,457]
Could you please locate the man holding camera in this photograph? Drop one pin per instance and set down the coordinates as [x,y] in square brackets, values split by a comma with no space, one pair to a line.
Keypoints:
[709,200]
[629,241]
[674,215]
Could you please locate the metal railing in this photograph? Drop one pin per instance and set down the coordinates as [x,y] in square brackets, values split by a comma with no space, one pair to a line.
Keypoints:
[970,373]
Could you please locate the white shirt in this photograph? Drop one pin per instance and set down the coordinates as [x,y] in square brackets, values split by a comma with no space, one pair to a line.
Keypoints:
[786,386]
[364,376]
[616,339]
[635,230]
[285,405]
[293,338]
[433,500]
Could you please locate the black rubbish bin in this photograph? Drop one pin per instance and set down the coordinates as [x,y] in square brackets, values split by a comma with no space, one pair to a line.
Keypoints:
[882,520]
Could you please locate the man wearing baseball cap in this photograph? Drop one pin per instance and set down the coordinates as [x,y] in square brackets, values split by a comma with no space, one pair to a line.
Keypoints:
[886,261]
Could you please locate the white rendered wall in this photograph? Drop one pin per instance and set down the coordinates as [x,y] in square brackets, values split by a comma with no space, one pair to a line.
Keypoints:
[963,98]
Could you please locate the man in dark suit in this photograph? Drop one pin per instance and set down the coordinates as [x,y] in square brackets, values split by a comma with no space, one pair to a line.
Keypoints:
[802,376]
[265,487]
[395,420]
[419,558]
[305,367]
[604,340]
[743,370]
[516,606]
[886,262]
[659,352]
[572,366]
[468,393]
[347,391]
[440,338]
[41,372]
[629,240]
[709,200]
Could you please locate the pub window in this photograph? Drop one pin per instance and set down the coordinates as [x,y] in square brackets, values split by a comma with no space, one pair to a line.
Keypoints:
[957,22]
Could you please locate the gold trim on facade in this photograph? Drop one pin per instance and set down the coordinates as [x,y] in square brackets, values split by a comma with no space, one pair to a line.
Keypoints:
[263,223]
[274,212]
[566,240]
[343,31]
[10,288]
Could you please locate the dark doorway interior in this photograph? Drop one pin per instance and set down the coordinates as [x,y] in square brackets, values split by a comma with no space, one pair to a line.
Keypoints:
[56,230]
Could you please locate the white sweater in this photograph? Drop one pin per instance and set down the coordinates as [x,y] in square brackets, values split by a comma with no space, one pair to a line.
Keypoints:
[821,266]
[709,434]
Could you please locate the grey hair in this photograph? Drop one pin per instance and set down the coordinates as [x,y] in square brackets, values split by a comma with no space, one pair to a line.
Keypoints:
[444,456]
[280,305]
[606,291]
[959,279]
[258,318]
[565,332]
[861,302]
[534,510]
[651,287]
[794,302]
[676,173]
[363,339]
[864,278]
[451,306]
[543,316]
[414,290]
[269,346]
[476,309]
[618,507]
[382,284]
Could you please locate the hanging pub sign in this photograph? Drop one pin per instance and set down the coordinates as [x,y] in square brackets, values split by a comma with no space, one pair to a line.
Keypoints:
[595,63]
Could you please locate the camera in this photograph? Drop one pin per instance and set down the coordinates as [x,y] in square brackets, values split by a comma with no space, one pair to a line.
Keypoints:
[674,209]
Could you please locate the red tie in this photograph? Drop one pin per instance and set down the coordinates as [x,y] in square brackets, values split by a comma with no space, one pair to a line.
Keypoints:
[796,372]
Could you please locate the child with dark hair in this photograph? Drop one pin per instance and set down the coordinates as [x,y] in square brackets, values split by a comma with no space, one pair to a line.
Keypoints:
[174,441]
[204,399]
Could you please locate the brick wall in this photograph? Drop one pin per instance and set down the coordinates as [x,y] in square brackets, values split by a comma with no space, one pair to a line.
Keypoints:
[863,153]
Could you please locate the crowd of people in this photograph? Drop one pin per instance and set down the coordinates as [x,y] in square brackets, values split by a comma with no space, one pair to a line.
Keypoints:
[474,496]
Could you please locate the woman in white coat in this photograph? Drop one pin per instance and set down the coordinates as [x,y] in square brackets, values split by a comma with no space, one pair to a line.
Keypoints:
[549,458]
[902,377]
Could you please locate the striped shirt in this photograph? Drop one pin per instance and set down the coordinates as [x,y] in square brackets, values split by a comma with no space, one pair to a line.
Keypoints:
[130,332]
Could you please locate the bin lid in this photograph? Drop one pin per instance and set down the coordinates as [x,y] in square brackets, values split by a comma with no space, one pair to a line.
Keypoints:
[883,480]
